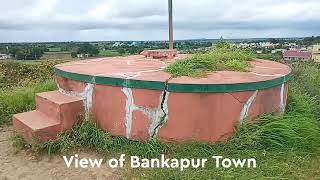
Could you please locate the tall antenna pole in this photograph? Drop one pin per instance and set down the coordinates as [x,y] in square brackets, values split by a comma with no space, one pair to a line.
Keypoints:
[170,25]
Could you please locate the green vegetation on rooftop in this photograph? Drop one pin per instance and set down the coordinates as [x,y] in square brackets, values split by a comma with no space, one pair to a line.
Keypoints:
[223,57]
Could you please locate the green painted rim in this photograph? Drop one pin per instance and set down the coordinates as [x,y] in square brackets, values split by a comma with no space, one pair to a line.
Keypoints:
[173,87]
[118,82]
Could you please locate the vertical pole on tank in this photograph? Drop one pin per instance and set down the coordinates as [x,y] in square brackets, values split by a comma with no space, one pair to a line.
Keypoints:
[170,25]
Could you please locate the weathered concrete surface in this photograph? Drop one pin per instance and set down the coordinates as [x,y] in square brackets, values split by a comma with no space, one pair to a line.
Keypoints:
[36,126]
[66,109]
[109,109]
[147,98]
[212,117]
[70,85]
[160,54]
[140,125]
[206,117]
[131,97]
[126,112]
[143,113]
[55,113]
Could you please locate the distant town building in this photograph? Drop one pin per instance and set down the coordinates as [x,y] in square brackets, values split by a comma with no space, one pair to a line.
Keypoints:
[133,44]
[82,55]
[259,51]
[316,53]
[296,55]
[5,56]
[117,44]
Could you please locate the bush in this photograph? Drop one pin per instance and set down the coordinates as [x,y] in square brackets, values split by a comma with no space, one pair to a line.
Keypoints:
[221,58]
[289,132]
[21,99]
[307,77]
[15,73]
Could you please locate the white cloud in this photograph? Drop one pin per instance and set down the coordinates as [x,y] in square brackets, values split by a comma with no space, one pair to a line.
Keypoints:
[101,10]
[43,9]
[39,20]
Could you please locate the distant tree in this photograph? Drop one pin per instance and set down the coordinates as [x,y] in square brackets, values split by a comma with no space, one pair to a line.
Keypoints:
[27,53]
[135,50]
[74,54]
[274,41]
[311,40]
[121,51]
[89,49]
[222,43]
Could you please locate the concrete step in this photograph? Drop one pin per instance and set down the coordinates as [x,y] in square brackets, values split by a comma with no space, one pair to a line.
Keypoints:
[36,126]
[67,109]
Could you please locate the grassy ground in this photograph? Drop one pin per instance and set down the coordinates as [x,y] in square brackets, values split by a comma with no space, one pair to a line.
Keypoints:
[19,82]
[31,62]
[21,99]
[285,147]
[221,58]
[275,57]
[62,55]
[54,49]
[109,53]
[21,74]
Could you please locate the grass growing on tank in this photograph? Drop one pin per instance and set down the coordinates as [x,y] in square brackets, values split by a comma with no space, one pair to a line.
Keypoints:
[223,57]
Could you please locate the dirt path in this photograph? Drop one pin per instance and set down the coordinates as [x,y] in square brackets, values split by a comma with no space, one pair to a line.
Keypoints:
[25,165]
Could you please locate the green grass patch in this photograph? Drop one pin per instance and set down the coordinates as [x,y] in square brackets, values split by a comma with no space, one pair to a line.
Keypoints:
[269,56]
[57,52]
[19,143]
[54,49]
[21,99]
[87,135]
[307,76]
[109,53]
[63,55]
[22,73]
[221,58]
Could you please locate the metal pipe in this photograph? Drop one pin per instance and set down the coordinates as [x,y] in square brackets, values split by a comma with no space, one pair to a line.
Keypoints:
[170,25]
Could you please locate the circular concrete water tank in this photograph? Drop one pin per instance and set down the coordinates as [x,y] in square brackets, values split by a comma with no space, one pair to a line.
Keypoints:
[134,97]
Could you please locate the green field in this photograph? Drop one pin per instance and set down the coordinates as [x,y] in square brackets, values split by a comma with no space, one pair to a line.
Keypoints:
[63,55]
[54,49]
[109,53]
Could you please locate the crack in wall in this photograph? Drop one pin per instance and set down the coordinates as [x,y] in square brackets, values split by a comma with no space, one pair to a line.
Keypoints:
[245,111]
[282,100]
[86,95]
[165,113]
[130,107]
[157,116]
[236,98]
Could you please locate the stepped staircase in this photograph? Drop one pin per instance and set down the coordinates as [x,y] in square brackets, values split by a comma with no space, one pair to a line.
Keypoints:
[55,112]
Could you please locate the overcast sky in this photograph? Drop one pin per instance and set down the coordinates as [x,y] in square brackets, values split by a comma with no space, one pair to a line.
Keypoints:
[98,20]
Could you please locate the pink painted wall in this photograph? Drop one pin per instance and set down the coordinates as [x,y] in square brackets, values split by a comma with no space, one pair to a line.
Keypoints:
[208,117]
